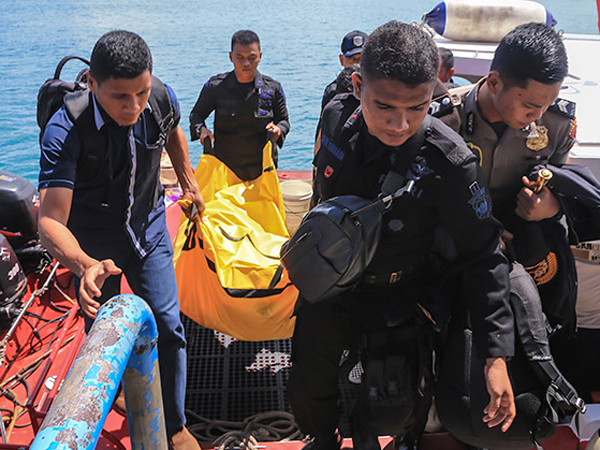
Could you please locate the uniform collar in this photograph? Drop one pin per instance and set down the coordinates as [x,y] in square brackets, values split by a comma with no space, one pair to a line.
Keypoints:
[258,79]
[97,114]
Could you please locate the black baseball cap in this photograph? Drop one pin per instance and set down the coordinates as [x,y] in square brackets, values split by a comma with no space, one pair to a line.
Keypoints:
[353,43]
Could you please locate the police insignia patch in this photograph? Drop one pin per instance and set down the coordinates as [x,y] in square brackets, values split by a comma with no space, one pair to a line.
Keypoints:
[537,143]
[545,270]
[328,171]
[480,201]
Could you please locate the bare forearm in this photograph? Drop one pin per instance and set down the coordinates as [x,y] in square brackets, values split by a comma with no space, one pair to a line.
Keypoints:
[63,246]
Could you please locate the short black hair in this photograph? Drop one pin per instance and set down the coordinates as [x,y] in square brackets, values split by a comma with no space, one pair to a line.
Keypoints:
[400,52]
[344,79]
[446,58]
[120,54]
[531,51]
[244,37]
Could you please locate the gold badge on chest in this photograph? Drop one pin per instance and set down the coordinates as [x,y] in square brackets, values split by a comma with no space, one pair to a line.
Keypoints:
[540,141]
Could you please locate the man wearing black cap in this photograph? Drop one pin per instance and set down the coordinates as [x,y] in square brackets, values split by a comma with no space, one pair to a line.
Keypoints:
[352,45]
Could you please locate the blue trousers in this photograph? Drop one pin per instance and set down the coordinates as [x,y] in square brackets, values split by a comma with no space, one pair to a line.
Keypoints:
[153,279]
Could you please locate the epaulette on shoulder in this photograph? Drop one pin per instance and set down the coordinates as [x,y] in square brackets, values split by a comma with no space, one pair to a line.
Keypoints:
[450,145]
[217,78]
[440,106]
[458,94]
[563,107]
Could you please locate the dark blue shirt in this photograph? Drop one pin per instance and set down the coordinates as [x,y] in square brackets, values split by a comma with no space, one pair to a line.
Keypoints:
[125,195]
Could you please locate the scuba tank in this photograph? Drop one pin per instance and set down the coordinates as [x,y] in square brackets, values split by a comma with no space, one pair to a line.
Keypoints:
[484,20]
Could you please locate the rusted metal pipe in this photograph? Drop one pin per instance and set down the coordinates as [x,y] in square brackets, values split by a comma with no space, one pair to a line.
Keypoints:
[121,344]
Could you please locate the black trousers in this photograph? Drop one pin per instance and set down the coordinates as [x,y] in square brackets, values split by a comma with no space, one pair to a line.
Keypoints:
[322,332]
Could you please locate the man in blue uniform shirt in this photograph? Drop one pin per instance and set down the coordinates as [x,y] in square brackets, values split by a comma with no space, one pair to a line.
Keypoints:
[247,105]
[111,221]
[362,142]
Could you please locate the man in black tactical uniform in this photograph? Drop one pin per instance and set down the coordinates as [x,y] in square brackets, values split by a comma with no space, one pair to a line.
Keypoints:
[362,143]
[247,105]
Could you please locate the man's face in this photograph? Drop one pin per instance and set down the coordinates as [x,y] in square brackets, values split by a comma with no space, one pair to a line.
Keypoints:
[518,107]
[346,61]
[445,74]
[123,99]
[245,59]
[392,110]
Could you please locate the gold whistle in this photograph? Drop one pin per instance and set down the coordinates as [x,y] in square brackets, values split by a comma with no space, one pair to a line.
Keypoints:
[544,175]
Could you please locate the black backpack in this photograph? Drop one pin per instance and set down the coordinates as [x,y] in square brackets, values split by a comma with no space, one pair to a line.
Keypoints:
[55,93]
[543,397]
[51,94]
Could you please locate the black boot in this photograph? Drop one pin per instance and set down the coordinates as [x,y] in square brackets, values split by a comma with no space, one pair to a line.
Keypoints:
[365,441]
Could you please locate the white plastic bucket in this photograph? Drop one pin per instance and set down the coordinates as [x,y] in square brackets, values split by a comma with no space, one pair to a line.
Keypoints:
[296,201]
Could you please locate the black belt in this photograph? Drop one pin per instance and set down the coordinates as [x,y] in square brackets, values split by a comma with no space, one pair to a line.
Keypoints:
[385,278]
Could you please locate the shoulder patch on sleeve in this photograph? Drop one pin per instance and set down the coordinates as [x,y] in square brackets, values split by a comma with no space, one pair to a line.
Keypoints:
[563,107]
[480,201]
[458,94]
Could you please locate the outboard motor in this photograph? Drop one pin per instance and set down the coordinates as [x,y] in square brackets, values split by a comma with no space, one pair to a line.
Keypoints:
[19,206]
[13,282]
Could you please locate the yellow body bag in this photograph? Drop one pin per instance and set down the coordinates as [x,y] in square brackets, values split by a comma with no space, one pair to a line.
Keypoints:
[227,264]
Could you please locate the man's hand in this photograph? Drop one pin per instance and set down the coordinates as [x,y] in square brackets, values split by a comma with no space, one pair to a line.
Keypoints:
[187,206]
[275,129]
[92,281]
[501,409]
[177,148]
[535,207]
[206,133]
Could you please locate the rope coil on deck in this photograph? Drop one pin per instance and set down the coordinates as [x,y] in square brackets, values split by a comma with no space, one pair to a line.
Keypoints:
[267,426]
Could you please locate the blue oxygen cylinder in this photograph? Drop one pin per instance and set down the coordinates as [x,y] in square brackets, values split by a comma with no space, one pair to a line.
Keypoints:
[484,20]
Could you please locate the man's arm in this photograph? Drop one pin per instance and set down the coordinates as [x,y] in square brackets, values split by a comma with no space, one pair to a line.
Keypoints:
[533,206]
[55,206]
[501,409]
[280,124]
[177,148]
[483,274]
[204,106]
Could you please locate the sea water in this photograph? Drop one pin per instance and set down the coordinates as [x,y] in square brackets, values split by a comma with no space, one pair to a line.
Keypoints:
[190,41]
